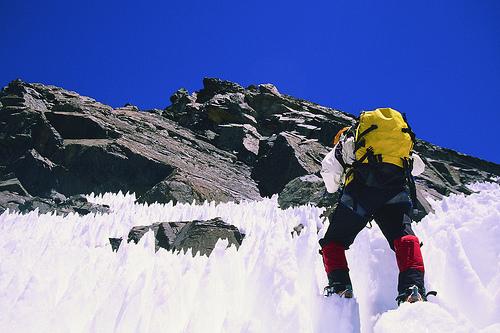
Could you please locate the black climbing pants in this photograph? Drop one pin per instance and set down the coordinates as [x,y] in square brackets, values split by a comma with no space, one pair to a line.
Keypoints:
[389,208]
[360,204]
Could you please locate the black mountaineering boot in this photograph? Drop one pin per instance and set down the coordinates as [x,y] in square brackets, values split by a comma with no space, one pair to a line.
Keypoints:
[343,291]
[339,283]
[411,295]
[411,287]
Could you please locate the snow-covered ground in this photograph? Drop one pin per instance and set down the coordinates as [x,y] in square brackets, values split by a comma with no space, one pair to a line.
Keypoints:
[60,275]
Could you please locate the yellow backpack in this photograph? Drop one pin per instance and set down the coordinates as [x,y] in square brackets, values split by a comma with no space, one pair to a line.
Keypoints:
[383,135]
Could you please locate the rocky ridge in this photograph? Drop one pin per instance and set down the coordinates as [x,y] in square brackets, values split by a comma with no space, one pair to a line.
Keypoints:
[222,143]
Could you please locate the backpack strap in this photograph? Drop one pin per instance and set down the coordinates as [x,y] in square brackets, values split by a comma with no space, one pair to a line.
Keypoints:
[369,154]
[338,155]
[366,131]
[359,138]
[347,132]
[408,166]
[408,129]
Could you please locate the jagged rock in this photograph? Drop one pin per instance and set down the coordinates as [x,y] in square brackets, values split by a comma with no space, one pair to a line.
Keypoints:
[243,140]
[308,189]
[268,88]
[128,107]
[263,107]
[18,96]
[75,204]
[185,110]
[43,205]
[199,236]
[11,201]
[71,125]
[265,102]
[104,166]
[56,203]
[219,102]
[181,96]
[94,148]
[219,109]
[13,185]
[155,111]
[290,156]
[36,173]
[266,143]
[297,230]
[115,243]
[448,172]
[225,109]
[176,189]
[59,198]
[214,86]
[181,187]
[210,135]
[79,204]
[277,113]
[21,130]
[135,234]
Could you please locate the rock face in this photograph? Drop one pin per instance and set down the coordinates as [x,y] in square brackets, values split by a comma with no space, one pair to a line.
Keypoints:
[289,156]
[55,140]
[308,189]
[279,136]
[222,143]
[199,236]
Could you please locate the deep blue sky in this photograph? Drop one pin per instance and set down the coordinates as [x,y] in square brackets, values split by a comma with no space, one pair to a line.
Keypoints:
[438,61]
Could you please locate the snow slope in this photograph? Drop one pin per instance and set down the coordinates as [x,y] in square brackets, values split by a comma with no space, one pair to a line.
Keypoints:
[59,274]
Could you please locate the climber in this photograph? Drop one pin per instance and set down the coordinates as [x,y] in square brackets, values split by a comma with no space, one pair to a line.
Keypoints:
[374,162]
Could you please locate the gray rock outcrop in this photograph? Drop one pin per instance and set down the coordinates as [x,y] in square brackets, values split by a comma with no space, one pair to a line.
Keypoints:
[199,236]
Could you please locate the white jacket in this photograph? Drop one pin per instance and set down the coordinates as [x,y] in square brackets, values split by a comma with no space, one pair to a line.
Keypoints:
[333,172]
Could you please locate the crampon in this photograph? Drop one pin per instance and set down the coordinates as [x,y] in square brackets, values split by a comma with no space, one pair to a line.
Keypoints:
[342,292]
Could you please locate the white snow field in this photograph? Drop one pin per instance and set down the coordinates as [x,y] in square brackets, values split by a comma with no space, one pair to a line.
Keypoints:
[59,274]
